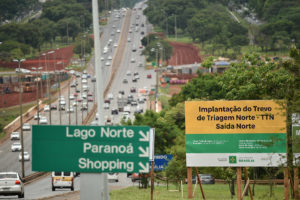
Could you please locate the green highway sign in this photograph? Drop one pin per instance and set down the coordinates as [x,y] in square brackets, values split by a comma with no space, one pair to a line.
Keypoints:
[90,148]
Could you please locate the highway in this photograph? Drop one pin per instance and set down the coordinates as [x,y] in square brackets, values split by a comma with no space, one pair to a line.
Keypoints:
[42,188]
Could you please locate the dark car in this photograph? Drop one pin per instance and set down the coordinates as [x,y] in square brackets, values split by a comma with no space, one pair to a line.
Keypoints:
[133,89]
[121,92]
[114,111]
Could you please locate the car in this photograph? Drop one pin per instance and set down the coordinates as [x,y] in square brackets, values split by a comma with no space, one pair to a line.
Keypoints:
[84,81]
[142,32]
[15,136]
[129,40]
[135,177]
[134,79]
[85,88]
[102,58]
[43,120]
[149,76]
[133,103]
[136,76]
[90,95]
[107,101]
[62,102]
[133,90]
[84,95]
[207,179]
[115,44]
[121,92]
[94,123]
[83,107]
[128,73]
[84,72]
[110,96]
[74,104]
[11,184]
[141,100]
[16,146]
[125,116]
[132,60]
[36,117]
[93,79]
[75,94]
[107,63]
[53,107]
[70,109]
[62,180]
[71,97]
[114,111]
[46,108]
[26,156]
[79,99]
[73,85]
[140,64]
[78,75]
[90,99]
[118,31]
[77,90]
[112,33]
[26,127]
[84,76]
[62,107]
[106,106]
[113,177]
[125,80]
[109,57]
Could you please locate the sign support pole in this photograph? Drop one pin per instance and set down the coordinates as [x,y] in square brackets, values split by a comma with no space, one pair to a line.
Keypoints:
[239,183]
[94,186]
[246,179]
[286,183]
[152,179]
[200,183]
[190,184]
[296,183]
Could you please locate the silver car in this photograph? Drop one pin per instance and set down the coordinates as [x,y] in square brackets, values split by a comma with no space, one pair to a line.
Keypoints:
[26,127]
[26,156]
[15,136]
[11,184]
[16,146]
[43,120]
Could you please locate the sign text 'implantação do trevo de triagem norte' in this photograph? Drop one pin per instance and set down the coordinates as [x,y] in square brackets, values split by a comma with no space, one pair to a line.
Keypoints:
[90,148]
[235,133]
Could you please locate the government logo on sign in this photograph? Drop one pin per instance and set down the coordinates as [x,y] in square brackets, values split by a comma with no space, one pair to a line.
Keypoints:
[232,159]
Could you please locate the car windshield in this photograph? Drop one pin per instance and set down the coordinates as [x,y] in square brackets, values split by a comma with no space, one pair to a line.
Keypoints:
[57,173]
[205,177]
[2,176]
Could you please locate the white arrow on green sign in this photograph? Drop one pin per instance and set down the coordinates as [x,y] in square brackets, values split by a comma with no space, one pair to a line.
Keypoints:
[90,148]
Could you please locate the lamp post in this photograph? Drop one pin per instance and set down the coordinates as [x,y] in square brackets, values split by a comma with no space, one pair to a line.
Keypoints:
[37,94]
[19,61]
[49,85]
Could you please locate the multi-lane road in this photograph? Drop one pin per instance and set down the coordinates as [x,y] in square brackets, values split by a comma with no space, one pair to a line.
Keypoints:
[122,69]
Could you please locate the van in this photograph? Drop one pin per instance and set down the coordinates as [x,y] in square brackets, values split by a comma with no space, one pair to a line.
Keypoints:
[62,180]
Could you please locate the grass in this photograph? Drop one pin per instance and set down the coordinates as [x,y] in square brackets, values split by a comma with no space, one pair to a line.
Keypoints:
[212,192]
[5,69]
[183,39]
[7,115]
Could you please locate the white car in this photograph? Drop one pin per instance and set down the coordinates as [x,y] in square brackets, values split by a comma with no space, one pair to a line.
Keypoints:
[26,156]
[15,136]
[106,106]
[129,40]
[132,60]
[102,58]
[84,95]
[11,184]
[107,63]
[43,120]
[16,146]
[71,97]
[109,58]
[46,108]
[110,96]
[62,102]
[71,110]
[84,81]
[115,44]
[118,31]
[26,127]
[128,73]
[74,103]
[113,177]
[125,116]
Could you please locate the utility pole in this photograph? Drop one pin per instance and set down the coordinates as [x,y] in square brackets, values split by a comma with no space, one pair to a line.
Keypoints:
[21,113]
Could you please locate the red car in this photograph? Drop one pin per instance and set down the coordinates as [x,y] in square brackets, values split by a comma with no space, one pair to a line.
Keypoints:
[149,76]
[75,94]
[90,99]
[79,100]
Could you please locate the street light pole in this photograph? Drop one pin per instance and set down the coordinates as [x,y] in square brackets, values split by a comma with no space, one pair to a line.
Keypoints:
[49,85]
[21,113]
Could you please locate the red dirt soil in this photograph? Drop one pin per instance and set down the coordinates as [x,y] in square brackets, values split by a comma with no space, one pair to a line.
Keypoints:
[62,57]
[185,53]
